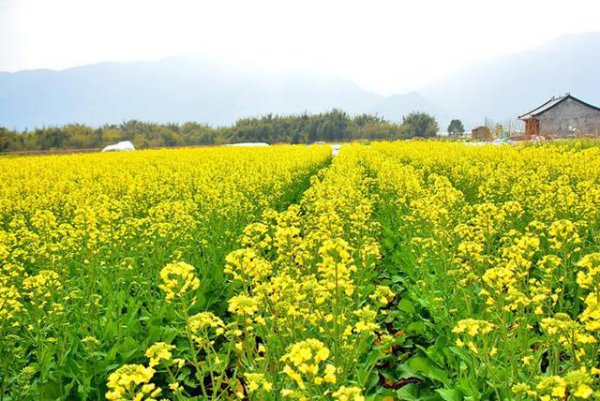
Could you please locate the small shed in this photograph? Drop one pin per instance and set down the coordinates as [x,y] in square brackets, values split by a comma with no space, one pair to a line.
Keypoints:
[562,117]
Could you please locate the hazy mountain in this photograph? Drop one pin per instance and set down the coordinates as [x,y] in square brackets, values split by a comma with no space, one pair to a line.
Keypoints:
[192,89]
[395,107]
[510,86]
[176,90]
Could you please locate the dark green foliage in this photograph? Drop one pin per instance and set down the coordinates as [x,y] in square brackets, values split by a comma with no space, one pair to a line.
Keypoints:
[456,127]
[418,124]
[332,126]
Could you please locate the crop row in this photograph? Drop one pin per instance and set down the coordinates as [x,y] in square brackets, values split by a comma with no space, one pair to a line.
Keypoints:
[83,238]
[494,252]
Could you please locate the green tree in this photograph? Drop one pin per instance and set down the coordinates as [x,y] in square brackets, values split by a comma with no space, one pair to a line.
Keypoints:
[333,125]
[419,124]
[9,140]
[456,128]
[52,138]
[111,135]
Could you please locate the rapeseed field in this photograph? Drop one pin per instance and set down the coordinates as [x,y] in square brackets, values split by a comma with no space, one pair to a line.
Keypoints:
[394,271]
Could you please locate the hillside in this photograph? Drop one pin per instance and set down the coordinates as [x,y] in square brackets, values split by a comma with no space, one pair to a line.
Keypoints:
[183,89]
[178,89]
[507,87]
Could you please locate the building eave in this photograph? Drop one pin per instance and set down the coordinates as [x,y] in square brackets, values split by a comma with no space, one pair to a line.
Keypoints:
[545,107]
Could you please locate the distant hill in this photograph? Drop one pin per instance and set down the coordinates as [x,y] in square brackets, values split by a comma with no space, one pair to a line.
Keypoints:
[395,107]
[177,90]
[509,86]
[183,89]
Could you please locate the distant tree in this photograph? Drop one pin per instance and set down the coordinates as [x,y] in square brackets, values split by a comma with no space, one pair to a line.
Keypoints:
[334,126]
[78,136]
[51,138]
[365,119]
[419,124]
[456,128]
[296,138]
[111,135]
[8,140]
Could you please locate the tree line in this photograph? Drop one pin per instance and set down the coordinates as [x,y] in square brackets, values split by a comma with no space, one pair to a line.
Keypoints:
[331,126]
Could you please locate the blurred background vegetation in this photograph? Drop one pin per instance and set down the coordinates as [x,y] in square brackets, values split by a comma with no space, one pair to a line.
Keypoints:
[335,125]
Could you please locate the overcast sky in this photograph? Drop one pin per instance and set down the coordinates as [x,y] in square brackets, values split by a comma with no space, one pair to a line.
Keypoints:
[386,46]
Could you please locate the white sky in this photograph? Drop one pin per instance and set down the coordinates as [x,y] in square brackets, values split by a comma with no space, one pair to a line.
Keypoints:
[385,46]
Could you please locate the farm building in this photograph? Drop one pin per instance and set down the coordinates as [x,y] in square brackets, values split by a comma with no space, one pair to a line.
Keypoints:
[562,117]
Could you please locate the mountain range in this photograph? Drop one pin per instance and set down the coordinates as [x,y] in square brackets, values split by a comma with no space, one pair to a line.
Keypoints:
[182,89]
[504,88]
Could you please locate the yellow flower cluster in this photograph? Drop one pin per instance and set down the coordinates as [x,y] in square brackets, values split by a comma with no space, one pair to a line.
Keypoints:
[563,234]
[589,275]
[204,326]
[243,305]
[468,331]
[11,303]
[472,327]
[383,295]
[304,360]
[177,279]
[348,394]
[255,381]
[132,382]
[247,266]
[159,352]
[336,266]
[576,384]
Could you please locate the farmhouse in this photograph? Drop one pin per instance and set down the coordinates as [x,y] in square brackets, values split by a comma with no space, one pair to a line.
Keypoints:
[563,117]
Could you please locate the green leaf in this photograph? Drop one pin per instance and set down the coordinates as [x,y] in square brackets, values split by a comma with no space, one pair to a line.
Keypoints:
[450,394]
[468,388]
[406,306]
[408,393]
[464,356]
[426,367]
[50,390]
[416,328]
